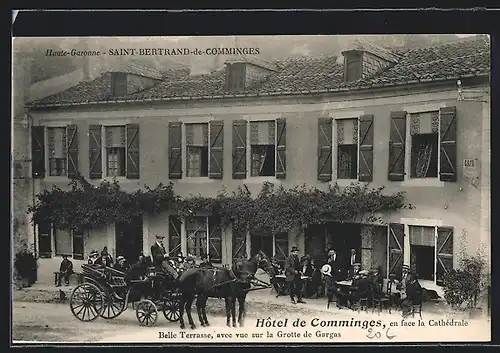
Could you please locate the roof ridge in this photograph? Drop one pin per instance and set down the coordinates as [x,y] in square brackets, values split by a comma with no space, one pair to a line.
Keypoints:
[477,37]
[448,58]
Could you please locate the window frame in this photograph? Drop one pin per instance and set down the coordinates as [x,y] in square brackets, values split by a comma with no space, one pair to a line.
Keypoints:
[184,238]
[52,235]
[184,150]
[46,127]
[408,180]
[335,149]
[261,118]
[104,151]
[415,222]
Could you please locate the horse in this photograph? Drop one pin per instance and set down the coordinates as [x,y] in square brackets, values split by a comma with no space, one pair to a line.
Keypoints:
[229,283]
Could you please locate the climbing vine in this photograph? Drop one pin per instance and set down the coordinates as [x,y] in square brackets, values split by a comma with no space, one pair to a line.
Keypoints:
[273,210]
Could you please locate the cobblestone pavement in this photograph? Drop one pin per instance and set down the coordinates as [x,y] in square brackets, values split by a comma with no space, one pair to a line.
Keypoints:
[44,322]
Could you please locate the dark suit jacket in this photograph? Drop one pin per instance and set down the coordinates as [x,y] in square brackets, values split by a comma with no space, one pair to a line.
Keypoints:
[292,265]
[336,267]
[158,253]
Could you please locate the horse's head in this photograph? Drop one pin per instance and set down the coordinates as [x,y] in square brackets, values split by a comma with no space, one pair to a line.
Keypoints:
[264,263]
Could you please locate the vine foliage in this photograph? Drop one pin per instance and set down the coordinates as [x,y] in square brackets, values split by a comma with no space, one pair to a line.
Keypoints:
[273,210]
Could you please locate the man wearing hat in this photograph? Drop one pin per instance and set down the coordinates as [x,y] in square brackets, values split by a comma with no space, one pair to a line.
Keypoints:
[94,255]
[329,282]
[121,264]
[65,270]
[402,283]
[159,254]
[354,270]
[293,275]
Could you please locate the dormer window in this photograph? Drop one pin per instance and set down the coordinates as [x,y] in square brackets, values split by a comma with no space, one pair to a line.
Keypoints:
[353,61]
[118,84]
[235,76]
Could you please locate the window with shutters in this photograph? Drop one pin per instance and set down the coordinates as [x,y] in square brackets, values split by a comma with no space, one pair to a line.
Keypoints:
[424,145]
[346,137]
[204,238]
[197,149]
[272,245]
[57,151]
[235,76]
[69,243]
[262,148]
[115,150]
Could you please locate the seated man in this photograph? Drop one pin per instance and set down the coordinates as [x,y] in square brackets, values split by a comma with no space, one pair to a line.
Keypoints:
[330,284]
[414,295]
[353,271]
[94,255]
[362,288]
[316,285]
[121,264]
[190,263]
[159,254]
[65,270]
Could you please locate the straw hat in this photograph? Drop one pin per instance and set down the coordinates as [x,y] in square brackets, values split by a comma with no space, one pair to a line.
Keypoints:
[405,267]
[119,258]
[326,270]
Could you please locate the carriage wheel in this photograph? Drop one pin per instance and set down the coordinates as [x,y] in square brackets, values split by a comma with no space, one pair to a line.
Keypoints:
[146,313]
[171,309]
[114,305]
[86,302]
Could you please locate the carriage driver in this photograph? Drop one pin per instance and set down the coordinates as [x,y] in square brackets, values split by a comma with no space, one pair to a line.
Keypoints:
[159,254]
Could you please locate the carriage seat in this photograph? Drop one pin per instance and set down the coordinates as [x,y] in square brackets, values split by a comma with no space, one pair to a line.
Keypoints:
[75,276]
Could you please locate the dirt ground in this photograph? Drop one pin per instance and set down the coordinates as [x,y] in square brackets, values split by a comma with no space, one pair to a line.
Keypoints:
[51,323]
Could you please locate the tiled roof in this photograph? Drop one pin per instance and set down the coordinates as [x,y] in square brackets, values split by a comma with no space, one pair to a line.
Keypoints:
[467,57]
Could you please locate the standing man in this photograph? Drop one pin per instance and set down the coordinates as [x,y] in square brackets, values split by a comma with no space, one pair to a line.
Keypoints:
[293,275]
[158,253]
[335,263]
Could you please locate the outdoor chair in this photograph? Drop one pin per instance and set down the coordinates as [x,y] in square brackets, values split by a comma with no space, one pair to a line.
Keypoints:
[357,304]
[417,309]
[385,300]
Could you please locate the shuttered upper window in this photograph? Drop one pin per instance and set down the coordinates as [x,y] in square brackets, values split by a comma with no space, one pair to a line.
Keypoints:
[259,148]
[55,150]
[201,144]
[114,151]
[423,145]
[345,146]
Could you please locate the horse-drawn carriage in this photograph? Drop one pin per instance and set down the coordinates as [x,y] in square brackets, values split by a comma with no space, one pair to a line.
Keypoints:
[107,293]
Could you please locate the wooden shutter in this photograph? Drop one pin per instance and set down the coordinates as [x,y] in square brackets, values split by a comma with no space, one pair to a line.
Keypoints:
[214,240]
[78,245]
[281,148]
[175,150]
[216,149]
[44,240]
[38,152]
[72,132]
[281,247]
[174,235]
[444,258]
[239,245]
[395,247]
[325,149]
[239,149]
[95,151]
[448,145]
[133,155]
[397,140]
[365,158]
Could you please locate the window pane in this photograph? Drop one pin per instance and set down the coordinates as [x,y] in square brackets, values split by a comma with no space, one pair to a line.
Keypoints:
[347,162]
[116,161]
[57,142]
[263,160]
[196,229]
[78,245]
[115,136]
[193,163]
[424,156]
[63,243]
[57,166]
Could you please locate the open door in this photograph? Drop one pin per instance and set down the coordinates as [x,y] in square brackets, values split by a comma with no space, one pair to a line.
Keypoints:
[395,248]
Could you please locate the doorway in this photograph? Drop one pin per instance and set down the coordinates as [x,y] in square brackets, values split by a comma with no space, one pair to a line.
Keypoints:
[129,240]
[343,237]
[422,260]
[262,242]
